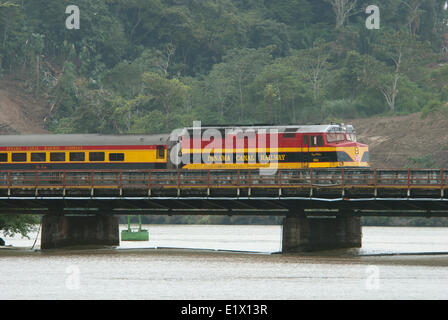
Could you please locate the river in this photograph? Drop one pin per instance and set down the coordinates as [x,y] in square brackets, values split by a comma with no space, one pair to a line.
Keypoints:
[230,262]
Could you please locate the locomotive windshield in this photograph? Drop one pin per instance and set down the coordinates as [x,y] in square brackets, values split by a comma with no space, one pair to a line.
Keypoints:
[351,137]
[335,137]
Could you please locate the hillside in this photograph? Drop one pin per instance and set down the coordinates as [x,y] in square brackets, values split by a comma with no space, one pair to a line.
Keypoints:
[20,112]
[393,140]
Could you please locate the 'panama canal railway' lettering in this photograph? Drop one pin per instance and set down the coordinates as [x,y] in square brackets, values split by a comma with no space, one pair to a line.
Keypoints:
[230,158]
[273,157]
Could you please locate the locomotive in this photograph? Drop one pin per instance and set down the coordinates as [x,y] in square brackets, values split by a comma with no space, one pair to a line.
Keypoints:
[211,147]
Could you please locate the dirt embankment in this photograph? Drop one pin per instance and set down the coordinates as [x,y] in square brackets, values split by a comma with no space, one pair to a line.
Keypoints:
[20,112]
[393,140]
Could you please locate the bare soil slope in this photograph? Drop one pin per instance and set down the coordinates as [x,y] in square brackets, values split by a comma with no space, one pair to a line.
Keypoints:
[393,140]
[20,112]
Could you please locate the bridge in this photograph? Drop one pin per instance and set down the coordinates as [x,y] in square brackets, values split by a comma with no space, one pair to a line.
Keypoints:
[322,207]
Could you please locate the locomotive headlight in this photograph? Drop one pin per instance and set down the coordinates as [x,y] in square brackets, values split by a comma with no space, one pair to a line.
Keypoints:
[357,150]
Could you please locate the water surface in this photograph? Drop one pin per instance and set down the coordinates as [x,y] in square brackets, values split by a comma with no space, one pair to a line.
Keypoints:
[231,262]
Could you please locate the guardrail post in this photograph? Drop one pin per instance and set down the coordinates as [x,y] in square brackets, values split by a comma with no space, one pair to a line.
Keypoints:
[208,178]
[149,183]
[311,182]
[343,182]
[248,182]
[409,183]
[208,182]
[178,183]
[63,183]
[36,182]
[238,182]
[121,184]
[279,180]
[441,183]
[91,183]
[9,183]
[375,181]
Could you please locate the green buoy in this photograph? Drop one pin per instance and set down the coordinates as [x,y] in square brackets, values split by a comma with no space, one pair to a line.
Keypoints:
[135,235]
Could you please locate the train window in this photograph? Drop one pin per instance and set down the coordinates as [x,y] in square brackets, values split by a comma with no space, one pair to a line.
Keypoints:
[306,141]
[160,152]
[320,140]
[38,157]
[116,156]
[18,157]
[77,156]
[351,137]
[3,157]
[317,141]
[334,137]
[96,156]
[289,135]
[57,156]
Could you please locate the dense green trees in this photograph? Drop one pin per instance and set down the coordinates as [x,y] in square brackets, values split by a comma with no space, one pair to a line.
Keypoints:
[150,66]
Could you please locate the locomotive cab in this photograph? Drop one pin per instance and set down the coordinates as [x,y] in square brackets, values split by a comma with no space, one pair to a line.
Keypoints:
[350,152]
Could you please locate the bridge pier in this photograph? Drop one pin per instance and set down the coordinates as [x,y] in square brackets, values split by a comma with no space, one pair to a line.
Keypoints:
[302,233]
[62,231]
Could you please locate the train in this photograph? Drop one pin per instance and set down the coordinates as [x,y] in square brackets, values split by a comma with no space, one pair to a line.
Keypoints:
[192,148]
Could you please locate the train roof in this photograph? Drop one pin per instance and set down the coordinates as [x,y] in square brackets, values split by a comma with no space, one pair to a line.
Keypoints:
[319,128]
[154,139]
[80,140]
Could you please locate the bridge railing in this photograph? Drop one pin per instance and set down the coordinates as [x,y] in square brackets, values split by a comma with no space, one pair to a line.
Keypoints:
[283,178]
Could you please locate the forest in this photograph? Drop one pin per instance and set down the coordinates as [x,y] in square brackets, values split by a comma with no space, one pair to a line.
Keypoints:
[138,66]
[151,66]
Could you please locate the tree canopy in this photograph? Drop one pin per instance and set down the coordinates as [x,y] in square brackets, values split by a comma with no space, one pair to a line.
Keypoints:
[150,66]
